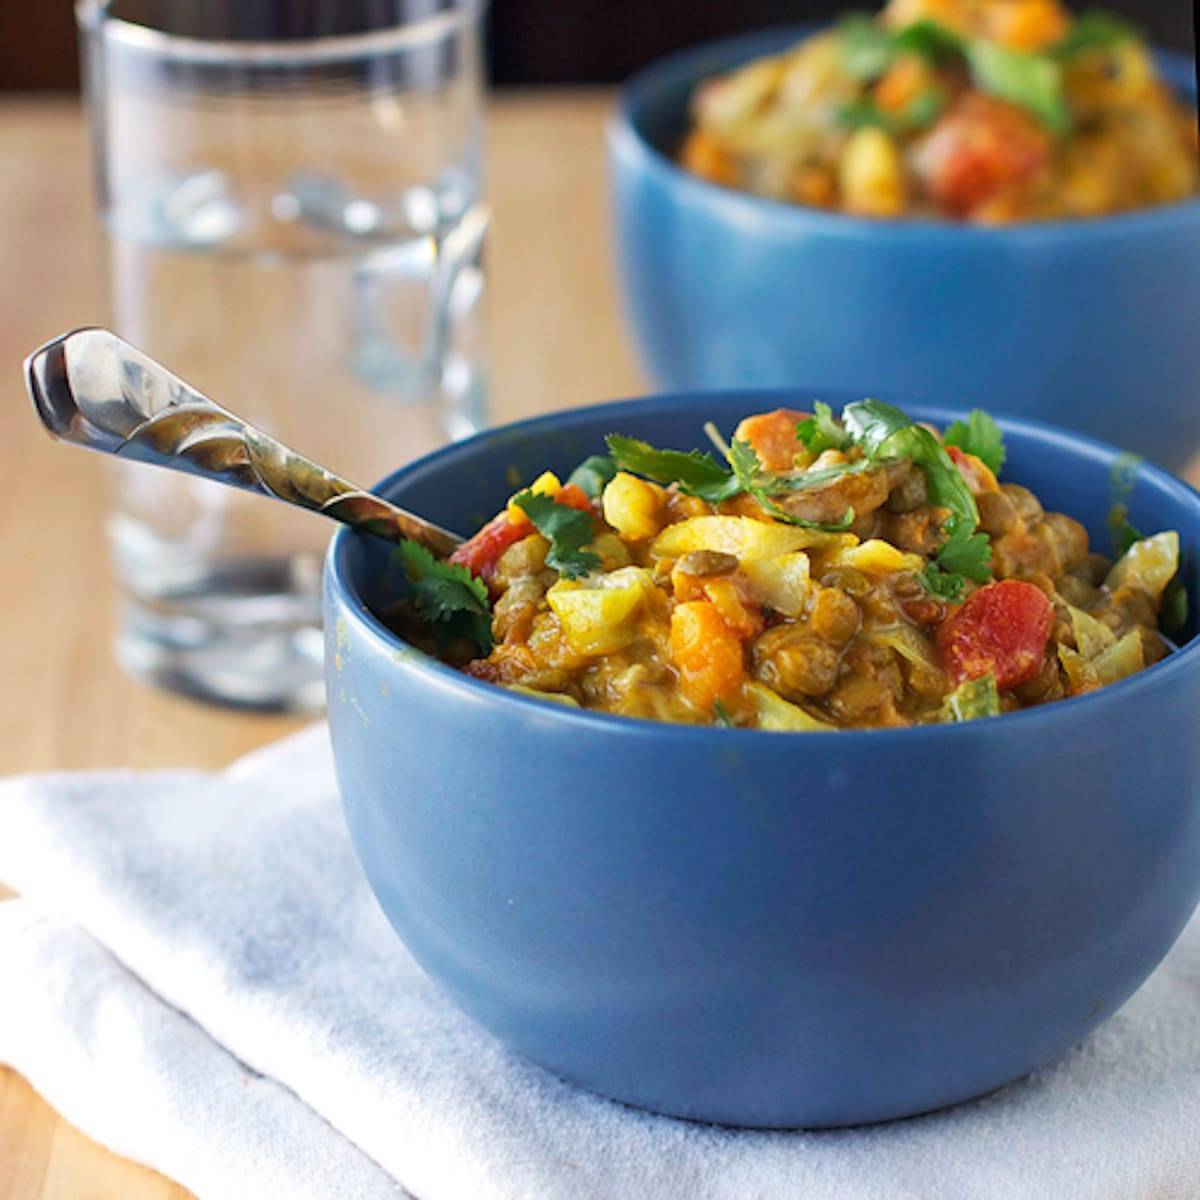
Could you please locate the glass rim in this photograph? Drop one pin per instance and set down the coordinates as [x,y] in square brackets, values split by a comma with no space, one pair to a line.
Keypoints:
[94,19]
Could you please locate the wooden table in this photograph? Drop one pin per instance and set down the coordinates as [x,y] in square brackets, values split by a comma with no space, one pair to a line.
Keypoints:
[557,340]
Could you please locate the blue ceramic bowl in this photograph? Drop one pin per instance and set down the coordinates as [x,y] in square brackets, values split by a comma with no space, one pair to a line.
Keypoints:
[1091,324]
[754,928]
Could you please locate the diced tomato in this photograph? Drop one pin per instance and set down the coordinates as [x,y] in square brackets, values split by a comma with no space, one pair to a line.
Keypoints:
[481,553]
[574,497]
[773,436]
[983,147]
[1002,628]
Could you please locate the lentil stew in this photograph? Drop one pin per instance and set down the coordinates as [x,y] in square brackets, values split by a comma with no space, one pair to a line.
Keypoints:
[817,573]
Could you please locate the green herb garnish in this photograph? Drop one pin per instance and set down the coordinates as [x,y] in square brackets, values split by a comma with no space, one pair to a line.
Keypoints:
[978,435]
[698,474]
[966,554]
[929,39]
[1032,81]
[695,471]
[568,530]
[865,47]
[721,715]
[883,430]
[593,475]
[452,601]
[822,431]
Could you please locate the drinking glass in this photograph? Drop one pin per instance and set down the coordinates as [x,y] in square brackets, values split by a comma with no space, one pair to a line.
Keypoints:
[291,195]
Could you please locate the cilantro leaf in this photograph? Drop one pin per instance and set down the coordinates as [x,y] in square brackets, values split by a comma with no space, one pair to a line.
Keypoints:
[930,39]
[696,472]
[865,47]
[965,551]
[593,475]
[945,585]
[448,597]
[885,431]
[721,715]
[1094,31]
[964,555]
[979,435]
[1032,81]
[822,431]
[568,529]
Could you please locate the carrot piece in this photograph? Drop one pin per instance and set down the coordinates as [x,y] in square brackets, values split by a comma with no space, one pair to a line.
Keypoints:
[773,436]
[708,655]
[574,496]
[481,553]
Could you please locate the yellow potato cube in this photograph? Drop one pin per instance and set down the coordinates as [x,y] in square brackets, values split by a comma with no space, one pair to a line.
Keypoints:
[546,484]
[877,557]
[782,582]
[633,507]
[599,614]
[744,537]
[871,174]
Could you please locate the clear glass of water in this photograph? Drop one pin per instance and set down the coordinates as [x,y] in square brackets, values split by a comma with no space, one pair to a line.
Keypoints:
[291,194]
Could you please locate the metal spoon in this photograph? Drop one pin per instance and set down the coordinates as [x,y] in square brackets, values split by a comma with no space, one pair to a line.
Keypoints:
[94,389]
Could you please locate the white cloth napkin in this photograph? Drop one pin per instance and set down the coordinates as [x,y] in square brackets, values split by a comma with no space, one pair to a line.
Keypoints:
[200,978]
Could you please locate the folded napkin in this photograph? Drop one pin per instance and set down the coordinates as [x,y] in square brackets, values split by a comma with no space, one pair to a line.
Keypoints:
[200,978]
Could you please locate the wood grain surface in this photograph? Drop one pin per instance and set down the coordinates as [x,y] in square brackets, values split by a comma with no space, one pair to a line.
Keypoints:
[556,341]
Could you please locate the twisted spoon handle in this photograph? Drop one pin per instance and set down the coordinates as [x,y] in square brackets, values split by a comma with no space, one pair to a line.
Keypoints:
[94,389]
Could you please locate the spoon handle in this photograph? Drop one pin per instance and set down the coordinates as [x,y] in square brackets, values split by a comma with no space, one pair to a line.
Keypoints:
[94,389]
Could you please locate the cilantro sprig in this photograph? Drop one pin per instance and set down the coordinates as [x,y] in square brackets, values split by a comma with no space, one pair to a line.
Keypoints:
[567,529]
[822,431]
[1032,80]
[593,475]
[981,436]
[883,430]
[451,601]
[698,474]
[695,471]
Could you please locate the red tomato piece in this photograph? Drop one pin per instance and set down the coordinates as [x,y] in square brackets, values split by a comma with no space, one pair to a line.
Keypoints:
[481,553]
[1002,628]
[574,496]
[982,147]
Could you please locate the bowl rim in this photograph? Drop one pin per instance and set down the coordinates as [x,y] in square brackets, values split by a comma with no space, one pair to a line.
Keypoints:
[625,141]
[351,605]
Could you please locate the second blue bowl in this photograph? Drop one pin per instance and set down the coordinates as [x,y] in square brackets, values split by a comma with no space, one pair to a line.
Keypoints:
[1089,324]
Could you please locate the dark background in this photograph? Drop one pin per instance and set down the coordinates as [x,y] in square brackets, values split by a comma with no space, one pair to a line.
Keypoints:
[543,41]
